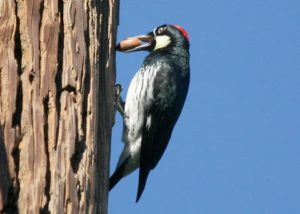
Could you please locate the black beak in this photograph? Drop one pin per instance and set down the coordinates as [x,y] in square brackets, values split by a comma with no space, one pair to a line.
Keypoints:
[137,43]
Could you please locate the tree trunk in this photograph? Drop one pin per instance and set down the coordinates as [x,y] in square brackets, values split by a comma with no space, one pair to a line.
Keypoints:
[57,74]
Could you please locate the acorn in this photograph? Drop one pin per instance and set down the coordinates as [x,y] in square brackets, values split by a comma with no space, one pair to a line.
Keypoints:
[128,44]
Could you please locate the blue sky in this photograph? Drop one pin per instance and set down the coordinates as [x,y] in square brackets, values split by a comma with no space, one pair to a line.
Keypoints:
[236,146]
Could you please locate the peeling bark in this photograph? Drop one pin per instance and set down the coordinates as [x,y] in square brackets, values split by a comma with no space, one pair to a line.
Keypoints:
[57,72]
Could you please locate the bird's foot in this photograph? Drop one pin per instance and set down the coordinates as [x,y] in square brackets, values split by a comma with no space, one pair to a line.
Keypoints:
[119,103]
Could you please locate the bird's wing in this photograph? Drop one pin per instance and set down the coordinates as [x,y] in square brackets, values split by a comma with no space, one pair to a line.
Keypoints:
[155,139]
[159,122]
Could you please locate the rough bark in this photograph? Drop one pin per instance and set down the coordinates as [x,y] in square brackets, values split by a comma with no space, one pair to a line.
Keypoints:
[57,75]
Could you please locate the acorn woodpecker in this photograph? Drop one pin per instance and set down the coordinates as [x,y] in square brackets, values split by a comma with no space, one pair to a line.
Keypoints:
[154,100]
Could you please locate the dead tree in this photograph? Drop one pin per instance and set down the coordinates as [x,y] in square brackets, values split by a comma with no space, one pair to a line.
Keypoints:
[57,74]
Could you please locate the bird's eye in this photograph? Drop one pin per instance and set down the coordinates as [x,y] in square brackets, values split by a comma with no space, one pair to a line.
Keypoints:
[161,30]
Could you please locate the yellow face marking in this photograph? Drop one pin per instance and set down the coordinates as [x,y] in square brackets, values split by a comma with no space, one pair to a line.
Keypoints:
[162,42]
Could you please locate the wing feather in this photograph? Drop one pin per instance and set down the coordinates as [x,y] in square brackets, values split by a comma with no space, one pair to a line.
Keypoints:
[159,122]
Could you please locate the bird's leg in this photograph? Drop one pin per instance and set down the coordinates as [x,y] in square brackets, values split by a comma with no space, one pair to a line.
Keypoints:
[119,103]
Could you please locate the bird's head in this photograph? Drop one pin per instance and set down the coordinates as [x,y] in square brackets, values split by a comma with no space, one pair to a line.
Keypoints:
[162,37]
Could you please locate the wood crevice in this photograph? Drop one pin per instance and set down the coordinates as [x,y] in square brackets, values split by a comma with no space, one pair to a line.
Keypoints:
[68,88]
[60,61]
[17,40]
[86,79]
[16,117]
[78,154]
[45,209]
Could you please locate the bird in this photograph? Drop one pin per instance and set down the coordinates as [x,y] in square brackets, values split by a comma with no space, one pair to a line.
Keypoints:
[154,100]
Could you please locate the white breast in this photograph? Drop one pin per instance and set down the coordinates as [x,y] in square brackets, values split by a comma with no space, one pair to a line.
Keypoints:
[139,98]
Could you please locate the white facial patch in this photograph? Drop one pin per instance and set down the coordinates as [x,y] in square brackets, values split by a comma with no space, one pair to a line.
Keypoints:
[162,41]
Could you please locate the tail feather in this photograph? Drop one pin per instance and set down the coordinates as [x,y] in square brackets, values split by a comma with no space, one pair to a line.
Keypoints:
[143,175]
[117,175]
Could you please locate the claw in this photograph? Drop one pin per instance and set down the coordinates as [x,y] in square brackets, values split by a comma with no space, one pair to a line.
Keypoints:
[118,89]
